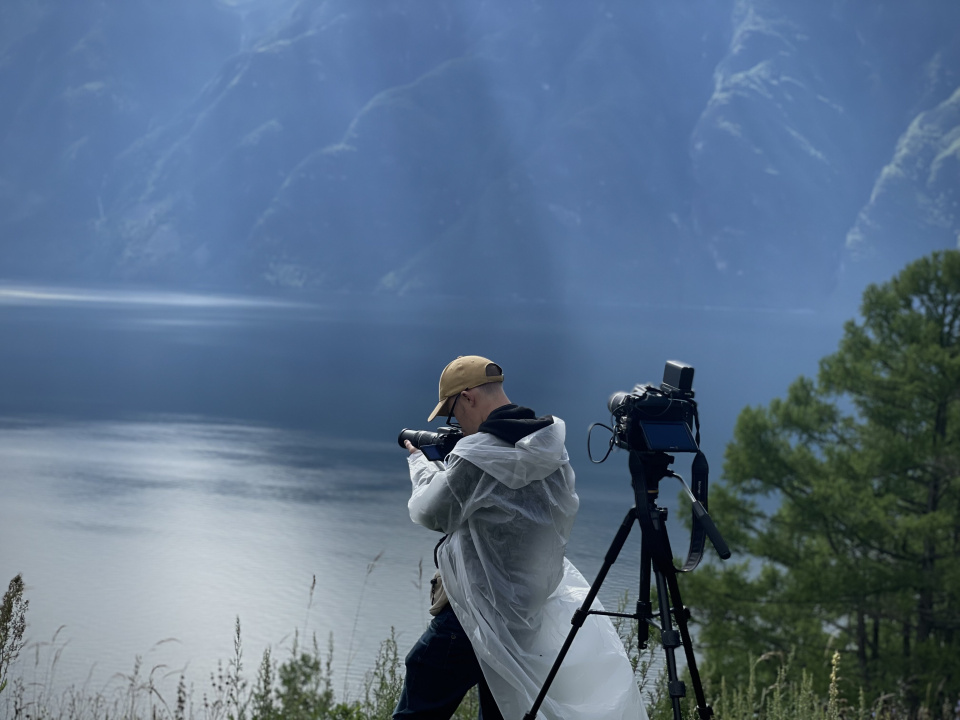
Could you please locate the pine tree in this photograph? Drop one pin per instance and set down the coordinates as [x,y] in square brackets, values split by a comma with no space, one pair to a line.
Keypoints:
[843,502]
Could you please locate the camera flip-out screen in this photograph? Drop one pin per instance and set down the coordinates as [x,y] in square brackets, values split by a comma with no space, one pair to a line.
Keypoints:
[668,436]
[432,452]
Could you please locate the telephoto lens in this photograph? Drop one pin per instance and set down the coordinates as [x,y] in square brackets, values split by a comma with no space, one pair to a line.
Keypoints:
[435,445]
[417,438]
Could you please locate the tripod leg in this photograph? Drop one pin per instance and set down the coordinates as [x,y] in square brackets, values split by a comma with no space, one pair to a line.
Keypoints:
[680,612]
[583,612]
[671,641]
[647,470]
[665,574]
[644,606]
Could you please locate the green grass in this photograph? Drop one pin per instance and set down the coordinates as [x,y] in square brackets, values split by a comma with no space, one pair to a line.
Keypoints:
[300,687]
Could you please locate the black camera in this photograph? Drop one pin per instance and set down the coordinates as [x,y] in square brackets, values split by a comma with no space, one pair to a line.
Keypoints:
[434,445]
[652,419]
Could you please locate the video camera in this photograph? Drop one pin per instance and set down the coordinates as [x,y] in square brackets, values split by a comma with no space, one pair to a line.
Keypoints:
[652,422]
[434,445]
[663,419]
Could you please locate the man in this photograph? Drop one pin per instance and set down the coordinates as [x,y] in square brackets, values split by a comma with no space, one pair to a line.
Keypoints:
[505,499]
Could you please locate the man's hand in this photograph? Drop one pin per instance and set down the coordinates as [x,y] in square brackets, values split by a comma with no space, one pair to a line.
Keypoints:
[409,446]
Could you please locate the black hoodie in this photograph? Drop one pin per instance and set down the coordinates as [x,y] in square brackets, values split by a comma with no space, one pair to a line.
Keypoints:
[512,423]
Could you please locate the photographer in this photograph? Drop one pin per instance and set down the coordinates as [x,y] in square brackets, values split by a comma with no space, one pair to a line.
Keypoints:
[505,593]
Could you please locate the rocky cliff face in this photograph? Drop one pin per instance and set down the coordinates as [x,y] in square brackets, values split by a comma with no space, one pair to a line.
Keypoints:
[751,151]
[79,83]
[812,104]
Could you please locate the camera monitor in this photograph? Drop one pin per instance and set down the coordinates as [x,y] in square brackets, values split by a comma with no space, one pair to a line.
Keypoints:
[668,436]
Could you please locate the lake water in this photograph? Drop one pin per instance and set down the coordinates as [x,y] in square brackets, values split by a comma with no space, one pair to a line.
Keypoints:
[171,463]
[132,533]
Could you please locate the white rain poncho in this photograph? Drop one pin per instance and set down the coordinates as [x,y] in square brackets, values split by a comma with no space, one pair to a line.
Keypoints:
[508,512]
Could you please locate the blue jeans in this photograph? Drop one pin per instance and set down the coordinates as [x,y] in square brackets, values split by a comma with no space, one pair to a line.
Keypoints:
[441,668]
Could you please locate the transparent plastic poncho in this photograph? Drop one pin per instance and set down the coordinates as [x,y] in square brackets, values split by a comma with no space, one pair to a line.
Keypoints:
[508,513]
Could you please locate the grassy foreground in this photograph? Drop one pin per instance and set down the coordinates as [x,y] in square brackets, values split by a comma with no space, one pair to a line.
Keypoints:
[300,687]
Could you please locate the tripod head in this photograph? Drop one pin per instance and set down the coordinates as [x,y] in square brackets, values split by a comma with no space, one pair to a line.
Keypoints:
[647,469]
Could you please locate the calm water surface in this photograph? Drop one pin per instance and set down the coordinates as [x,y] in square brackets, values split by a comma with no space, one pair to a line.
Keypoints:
[129,534]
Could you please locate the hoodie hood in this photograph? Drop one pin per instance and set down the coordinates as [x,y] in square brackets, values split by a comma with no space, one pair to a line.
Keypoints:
[533,457]
[512,423]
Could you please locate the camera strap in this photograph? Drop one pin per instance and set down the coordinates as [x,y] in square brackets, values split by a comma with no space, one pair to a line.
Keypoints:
[699,472]
[436,549]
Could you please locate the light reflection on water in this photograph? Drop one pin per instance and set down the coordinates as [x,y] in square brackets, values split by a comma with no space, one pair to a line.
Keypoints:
[130,533]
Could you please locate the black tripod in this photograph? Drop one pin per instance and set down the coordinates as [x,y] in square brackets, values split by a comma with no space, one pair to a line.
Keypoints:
[647,469]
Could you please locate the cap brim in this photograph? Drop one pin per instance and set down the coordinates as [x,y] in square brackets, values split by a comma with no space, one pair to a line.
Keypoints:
[440,409]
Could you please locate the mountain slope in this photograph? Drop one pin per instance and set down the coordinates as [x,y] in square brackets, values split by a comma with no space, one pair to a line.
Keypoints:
[736,152]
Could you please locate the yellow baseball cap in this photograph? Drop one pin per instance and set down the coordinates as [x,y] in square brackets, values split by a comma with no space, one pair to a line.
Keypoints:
[467,371]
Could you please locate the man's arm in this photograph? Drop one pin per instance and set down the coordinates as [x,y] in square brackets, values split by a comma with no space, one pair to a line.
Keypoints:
[438,495]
